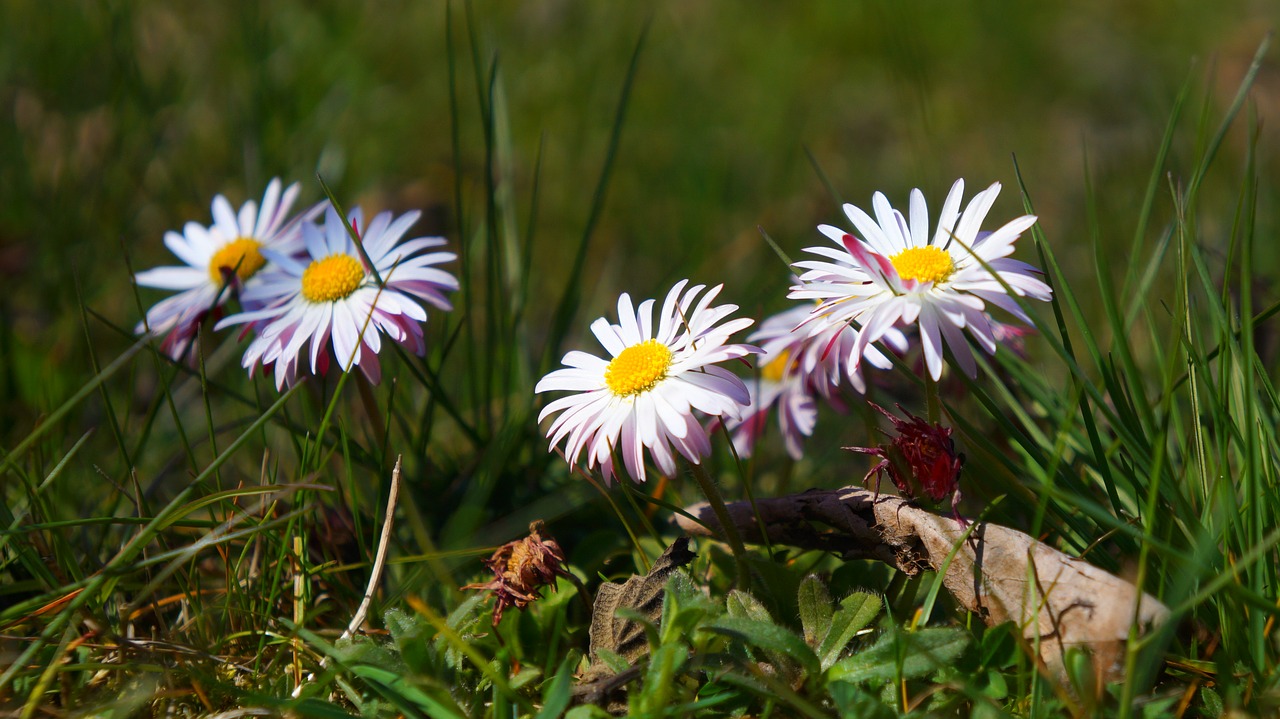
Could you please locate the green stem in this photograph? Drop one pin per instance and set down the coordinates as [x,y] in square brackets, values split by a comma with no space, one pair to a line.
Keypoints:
[933,405]
[727,526]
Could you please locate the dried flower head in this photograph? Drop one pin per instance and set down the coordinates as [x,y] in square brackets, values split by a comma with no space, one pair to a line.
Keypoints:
[920,458]
[521,568]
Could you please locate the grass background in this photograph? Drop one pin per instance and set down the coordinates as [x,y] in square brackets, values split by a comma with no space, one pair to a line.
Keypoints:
[126,118]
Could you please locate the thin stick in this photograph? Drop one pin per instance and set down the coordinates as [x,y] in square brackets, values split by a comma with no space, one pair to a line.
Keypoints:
[379,559]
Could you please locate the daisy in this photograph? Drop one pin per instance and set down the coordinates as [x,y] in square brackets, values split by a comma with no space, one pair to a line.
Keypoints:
[329,293]
[897,274]
[645,395]
[220,259]
[780,384]
[802,359]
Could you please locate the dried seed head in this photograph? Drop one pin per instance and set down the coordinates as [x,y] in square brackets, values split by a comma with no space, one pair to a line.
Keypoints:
[521,568]
[920,458]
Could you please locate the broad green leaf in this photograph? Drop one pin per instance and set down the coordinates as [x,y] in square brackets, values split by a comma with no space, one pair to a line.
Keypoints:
[902,655]
[768,636]
[815,609]
[856,611]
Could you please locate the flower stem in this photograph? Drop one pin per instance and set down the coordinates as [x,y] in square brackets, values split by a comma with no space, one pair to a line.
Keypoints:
[727,527]
[933,405]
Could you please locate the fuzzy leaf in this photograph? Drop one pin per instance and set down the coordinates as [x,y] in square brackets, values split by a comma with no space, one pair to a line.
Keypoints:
[815,609]
[922,653]
[770,637]
[742,605]
[856,611]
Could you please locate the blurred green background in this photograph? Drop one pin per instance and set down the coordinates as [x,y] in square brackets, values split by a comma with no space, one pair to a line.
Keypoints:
[121,120]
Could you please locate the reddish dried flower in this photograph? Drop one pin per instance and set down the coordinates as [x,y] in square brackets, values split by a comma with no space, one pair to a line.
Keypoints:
[521,568]
[921,459]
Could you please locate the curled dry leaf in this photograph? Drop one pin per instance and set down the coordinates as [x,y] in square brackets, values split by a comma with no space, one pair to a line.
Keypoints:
[999,573]
[622,635]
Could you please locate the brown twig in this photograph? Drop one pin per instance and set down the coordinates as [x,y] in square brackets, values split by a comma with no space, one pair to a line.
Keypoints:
[1000,574]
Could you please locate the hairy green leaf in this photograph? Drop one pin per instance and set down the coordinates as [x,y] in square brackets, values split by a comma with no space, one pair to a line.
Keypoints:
[856,611]
[770,637]
[815,609]
[903,655]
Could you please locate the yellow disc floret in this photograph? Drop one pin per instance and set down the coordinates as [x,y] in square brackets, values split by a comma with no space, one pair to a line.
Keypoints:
[924,264]
[333,278]
[777,367]
[638,368]
[240,255]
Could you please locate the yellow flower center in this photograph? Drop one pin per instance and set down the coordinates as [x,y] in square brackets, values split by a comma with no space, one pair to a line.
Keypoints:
[638,368]
[332,278]
[777,367]
[924,264]
[240,255]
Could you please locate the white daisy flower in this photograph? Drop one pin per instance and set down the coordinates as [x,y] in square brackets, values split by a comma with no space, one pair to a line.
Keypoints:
[802,359]
[896,274]
[330,293]
[220,259]
[644,397]
[780,384]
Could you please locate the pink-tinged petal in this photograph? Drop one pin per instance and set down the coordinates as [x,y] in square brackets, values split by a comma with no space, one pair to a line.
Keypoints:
[959,348]
[694,445]
[870,231]
[633,453]
[980,328]
[320,338]
[307,326]
[877,264]
[931,344]
[745,434]
[371,368]
[646,419]
[878,322]
[669,416]
[663,458]
[344,337]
